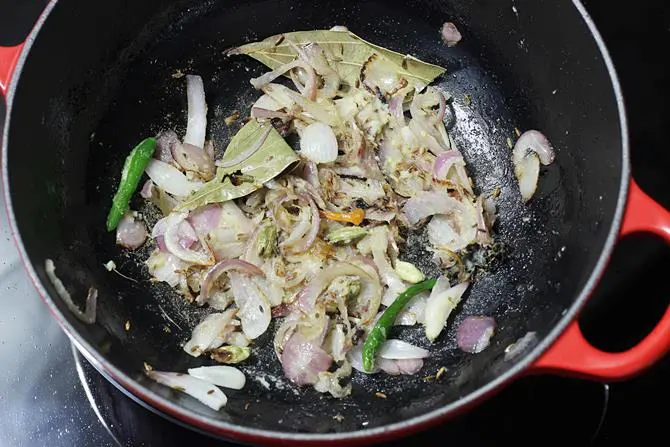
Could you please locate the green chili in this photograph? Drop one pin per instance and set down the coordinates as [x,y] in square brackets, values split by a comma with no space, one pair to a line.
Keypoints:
[133,169]
[378,334]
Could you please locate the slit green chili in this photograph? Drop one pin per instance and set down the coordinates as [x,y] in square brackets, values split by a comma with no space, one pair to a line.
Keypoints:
[379,332]
[133,168]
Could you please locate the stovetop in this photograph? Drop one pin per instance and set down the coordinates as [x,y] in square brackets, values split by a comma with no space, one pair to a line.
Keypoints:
[50,395]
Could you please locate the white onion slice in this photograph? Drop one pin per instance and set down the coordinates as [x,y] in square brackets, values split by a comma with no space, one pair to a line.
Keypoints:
[254,310]
[531,149]
[196,126]
[226,376]
[395,349]
[170,179]
[206,218]
[210,333]
[303,360]
[318,143]
[219,269]
[427,203]
[369,296]
[88,315]
[453,233]
[165,266]
[438,308]
[205,392]
[265,102]
[400,366]
[173,238]
[521,345]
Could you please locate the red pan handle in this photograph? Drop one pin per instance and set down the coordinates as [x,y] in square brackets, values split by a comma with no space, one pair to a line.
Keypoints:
[573,355]
[9,56]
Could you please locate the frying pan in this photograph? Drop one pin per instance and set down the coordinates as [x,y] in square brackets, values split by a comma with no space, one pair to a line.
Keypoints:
[93,78]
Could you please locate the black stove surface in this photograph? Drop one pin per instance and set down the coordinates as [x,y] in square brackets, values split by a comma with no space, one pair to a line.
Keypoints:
[50,395]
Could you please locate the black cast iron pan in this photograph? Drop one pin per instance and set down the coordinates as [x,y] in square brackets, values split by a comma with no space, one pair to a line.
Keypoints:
[96,77]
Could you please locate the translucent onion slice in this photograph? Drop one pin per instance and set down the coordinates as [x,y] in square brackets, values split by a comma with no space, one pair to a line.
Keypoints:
[225,376]
[205,392]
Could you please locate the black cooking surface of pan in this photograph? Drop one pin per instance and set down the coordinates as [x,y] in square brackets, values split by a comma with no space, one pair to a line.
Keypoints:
[523,64]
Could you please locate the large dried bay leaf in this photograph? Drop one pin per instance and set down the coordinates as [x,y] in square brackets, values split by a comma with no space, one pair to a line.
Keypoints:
[270,160]
[345,52]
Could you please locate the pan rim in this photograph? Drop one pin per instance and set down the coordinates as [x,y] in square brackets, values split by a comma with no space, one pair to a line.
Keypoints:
[217,427]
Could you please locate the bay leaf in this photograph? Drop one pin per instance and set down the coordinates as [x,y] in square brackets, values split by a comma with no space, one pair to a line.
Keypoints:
[270,160]
[345,51]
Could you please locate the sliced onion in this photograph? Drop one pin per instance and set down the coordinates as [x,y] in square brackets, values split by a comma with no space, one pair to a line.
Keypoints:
[450,34]
[534,141]
[520,346]
[474,334]
[206,218]
[210,333]
[165,266]
[194,159]
[440,306]
[428,203]
[447,160]
[442,103]
[147,190]
[312,327]
[170,179]
[395,349]
[89,313]
[301,185]
[311,173]
[313,53]
[396,109]
[309,89]
[414,312]
[444,162]
[379,215]
[531,149]
[130,233]
[455,231]
[306,242]
[369,296]
[254,310]
[187,235]
[259,113]
[323,111]
[162,224]
[300,229]
[406,366]
[483,236]
[164,143]
[267,103]
[318,143]
[196,126]
[209,149]
[303,360]
[225,376]
[204,391]
[251,150]
[400,366]
[219,269]
[173,237]
[527,173]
